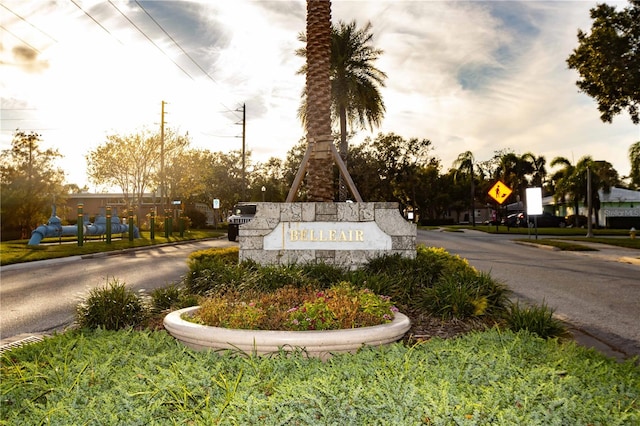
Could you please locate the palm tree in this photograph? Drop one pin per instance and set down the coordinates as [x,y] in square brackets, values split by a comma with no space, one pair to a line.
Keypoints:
[634,158]
[355,83]
[566,184]
[318,89]
[465,165]
[513,170]
[539,176]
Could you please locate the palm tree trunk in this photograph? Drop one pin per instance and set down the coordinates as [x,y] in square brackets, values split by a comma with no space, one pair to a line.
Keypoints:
[319,100]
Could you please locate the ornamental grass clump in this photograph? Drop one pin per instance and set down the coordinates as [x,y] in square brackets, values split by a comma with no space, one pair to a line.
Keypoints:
[297,309]
[535,319]
[171,297]
[464,294]
[112,307]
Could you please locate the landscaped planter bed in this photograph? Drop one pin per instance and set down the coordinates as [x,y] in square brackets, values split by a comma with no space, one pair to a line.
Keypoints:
[319,344]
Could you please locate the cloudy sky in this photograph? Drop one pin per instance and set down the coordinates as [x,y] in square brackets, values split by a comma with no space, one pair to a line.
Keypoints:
[476,76]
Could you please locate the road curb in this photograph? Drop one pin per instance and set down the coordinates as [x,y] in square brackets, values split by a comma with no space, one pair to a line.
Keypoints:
[540,246]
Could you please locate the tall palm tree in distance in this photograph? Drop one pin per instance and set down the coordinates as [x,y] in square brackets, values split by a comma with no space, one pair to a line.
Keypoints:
[539,176]
[571,181]
[355,83]
[566,184]
[465,164]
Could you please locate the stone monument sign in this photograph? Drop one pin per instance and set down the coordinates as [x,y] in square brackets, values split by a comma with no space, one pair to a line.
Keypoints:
[342,234]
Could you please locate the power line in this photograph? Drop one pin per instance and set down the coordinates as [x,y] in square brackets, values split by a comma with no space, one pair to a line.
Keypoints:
[20,39]
[148,38]
[96,21]
[29,23]
[182,49]
[175,42]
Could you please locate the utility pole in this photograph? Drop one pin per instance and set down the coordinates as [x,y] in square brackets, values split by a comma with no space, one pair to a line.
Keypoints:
[244,173]
[162,183]
[589,205]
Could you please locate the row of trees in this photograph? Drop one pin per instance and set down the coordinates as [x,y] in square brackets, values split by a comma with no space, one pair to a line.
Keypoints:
[385,168]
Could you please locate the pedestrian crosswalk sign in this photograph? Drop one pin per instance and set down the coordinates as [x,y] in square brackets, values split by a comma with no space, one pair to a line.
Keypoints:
[500,192]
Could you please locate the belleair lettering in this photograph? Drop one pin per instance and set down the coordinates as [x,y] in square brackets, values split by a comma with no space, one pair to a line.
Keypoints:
[332,235]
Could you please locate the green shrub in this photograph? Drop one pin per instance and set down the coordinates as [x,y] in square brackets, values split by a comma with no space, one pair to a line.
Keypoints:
[111,307]
[273,277]
[464,294]
[214,275]
[216,271]
[434,280]
[170,298]
[535,319]
[407,280]
[453,297]
[227,254]
[324,274]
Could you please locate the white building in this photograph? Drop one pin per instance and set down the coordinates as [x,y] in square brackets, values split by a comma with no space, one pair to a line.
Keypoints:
[620,208]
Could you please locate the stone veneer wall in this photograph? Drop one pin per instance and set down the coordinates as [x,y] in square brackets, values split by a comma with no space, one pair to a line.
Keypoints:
[386,216]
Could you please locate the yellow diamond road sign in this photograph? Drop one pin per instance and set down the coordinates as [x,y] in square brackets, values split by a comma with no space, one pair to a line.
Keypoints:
[500,192]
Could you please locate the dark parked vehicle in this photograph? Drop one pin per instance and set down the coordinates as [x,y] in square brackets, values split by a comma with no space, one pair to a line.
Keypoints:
[571,221]
[242,213]
[545,220]
[513,220]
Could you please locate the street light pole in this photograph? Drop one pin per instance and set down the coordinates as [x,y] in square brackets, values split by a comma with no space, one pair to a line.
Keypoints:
[264,190]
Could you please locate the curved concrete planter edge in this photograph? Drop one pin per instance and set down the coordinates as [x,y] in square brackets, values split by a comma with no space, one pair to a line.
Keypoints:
[319,344]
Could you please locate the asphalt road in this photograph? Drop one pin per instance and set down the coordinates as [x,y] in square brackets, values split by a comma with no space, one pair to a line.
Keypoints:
[40,297]
[598,292]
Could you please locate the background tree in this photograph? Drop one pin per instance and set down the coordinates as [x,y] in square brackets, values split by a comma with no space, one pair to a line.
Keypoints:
[187,176]
[273,177]
[464,166]
[634,159]
[429,193]
[539,176]
[513,170]
[224,177]
[132,162]
[603,177]
[355,83]
[389,167]
[566,184]
[457,193]
[608,60]
[30,185]
[570,182]
[367,171]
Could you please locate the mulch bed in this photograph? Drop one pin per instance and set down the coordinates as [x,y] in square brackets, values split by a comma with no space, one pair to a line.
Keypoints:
[425,326]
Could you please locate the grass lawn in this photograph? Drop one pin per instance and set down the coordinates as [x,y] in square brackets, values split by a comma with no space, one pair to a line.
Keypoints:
[18,251]
[147,378]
